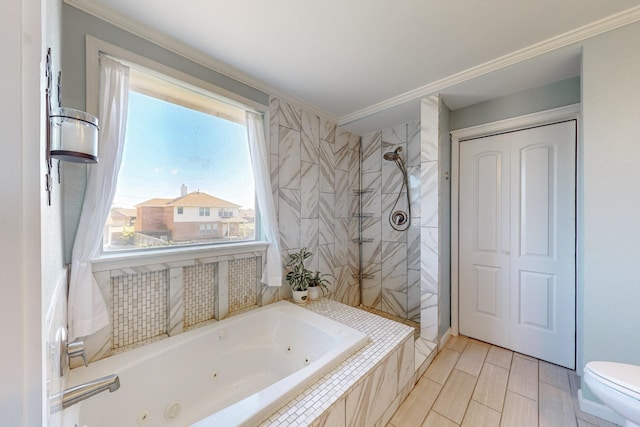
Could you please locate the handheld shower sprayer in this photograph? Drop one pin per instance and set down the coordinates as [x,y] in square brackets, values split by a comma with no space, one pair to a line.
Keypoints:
[393,155]
[399,220]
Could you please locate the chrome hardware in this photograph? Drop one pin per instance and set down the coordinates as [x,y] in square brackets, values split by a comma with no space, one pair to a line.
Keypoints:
[67,350]
[76,349]
[77,394]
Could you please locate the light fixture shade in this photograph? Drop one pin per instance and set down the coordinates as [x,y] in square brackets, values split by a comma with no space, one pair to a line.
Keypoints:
[74,136]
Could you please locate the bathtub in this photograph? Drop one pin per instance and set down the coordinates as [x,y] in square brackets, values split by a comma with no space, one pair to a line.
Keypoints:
[237,371]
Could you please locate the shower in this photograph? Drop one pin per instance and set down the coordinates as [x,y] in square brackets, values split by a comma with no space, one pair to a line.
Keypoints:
[398,219]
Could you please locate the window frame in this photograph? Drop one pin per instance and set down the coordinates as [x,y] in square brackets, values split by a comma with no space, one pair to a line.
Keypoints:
[94,48]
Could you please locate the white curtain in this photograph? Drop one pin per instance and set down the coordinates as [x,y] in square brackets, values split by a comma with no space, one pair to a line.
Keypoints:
[87,311]
[272,273]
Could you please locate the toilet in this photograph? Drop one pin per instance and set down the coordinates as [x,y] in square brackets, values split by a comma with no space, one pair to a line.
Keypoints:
[618,386]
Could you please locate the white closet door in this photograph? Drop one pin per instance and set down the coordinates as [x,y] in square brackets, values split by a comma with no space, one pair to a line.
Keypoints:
[517,241]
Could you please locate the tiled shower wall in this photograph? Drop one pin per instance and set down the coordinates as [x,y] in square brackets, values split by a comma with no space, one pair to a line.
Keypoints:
[430,136]
[314,170]
[392,258]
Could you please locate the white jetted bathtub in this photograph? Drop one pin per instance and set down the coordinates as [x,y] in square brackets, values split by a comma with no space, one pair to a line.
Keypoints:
[234,372]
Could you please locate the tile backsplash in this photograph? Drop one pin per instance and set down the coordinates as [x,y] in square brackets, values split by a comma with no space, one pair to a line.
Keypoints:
[199,293]
[139,307]
[155,301]
[241,272]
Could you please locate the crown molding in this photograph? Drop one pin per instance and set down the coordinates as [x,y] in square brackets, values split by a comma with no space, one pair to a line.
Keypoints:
[173,45]
[577,35]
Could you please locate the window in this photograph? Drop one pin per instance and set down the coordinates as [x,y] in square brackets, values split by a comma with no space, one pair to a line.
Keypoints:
[183,146]
[225,213]
[205,228]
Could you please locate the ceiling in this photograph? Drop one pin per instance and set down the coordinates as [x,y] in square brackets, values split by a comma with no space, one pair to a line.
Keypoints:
[367,62]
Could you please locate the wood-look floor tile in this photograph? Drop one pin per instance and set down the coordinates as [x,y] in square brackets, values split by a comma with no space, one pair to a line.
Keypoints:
[491,387]
[457,343]
[555,375]
[479,415]
[519,411]
[472,358]
[414,409]
[436,420]
[442,366]
[481,343]
[556,408]
[455,396]
[524,356]
[500,357]
[508,382]
[523,378]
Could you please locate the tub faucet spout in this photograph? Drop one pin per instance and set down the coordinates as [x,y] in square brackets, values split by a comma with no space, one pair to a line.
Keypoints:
[77,394]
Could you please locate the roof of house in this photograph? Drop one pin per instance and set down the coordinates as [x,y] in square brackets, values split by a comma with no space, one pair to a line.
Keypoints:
[195,198]
[155,202]
[128,212]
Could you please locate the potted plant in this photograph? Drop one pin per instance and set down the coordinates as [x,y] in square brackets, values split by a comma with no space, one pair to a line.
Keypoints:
[299,276]
[318,285]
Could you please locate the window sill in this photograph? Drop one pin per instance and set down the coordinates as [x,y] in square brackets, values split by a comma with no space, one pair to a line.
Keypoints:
[113,261]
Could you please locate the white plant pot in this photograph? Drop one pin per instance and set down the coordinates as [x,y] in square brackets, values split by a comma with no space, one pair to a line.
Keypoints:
[314,293]
[300,297]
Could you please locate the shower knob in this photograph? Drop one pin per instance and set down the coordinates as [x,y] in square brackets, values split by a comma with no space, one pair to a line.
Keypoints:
[399,217]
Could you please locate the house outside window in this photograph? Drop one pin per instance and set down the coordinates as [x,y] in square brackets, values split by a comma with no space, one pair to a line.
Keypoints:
[163,158]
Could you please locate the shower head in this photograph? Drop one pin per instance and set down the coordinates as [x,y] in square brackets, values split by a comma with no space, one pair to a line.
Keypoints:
[392,156]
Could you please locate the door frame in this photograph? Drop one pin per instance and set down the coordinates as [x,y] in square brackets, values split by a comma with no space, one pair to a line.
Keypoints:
[569,112]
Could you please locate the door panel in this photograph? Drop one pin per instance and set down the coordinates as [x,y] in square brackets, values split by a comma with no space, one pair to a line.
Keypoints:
[536,300]
[486,310]
[517,241]
[487,201]
[536,200]
[487,286]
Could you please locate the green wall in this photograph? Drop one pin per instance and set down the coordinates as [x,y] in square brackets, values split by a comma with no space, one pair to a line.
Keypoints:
[610,198]
[558,94]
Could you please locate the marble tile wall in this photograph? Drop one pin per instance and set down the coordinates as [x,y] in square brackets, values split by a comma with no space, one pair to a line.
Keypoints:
[314,170]
[392,259]
[429,223]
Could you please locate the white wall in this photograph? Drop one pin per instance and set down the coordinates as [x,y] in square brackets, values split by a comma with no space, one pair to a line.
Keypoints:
[610,245]
[53,273]
[21,361]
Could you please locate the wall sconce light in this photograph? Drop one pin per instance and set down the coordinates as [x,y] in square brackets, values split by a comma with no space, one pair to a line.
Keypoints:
[72,135]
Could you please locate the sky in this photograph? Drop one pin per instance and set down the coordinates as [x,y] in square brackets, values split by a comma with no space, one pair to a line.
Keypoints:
[168,145]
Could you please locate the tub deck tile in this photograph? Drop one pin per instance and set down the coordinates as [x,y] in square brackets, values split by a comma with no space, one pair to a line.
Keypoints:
[385,336]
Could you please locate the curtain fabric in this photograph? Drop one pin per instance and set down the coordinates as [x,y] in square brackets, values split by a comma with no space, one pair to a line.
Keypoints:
[87,312]
[272,273]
